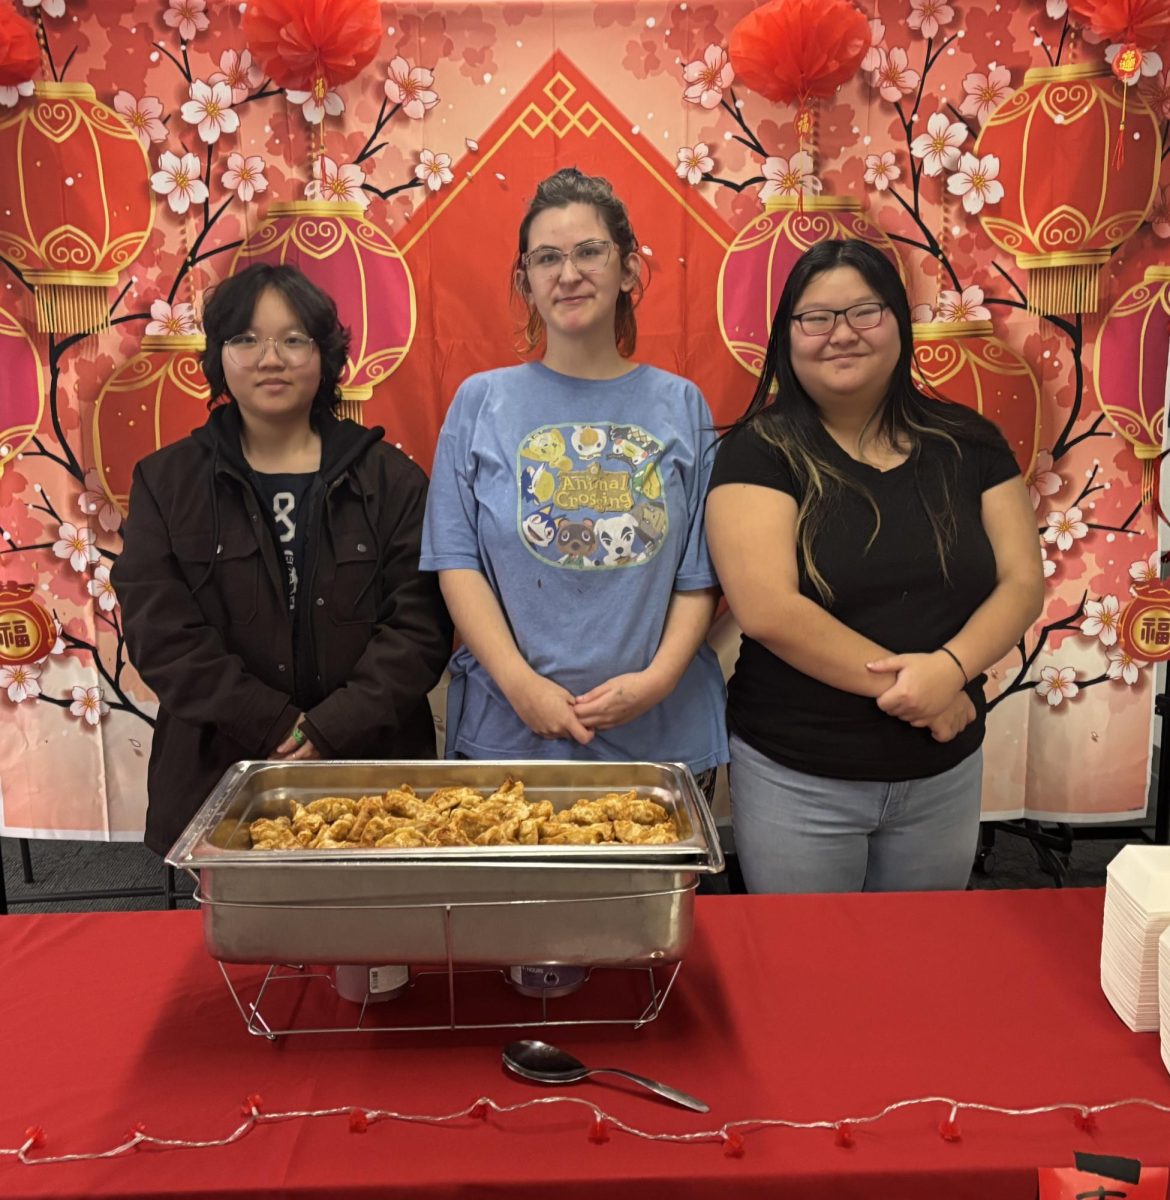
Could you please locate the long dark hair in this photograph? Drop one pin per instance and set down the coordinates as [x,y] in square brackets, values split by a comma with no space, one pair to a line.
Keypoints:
[229,310]
[785,416]
[571,186]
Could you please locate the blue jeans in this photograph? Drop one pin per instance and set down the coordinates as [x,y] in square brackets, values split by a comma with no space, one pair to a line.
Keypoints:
[803,833]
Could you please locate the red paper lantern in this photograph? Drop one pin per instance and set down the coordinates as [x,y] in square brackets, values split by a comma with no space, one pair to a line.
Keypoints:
[760,259]
[22,396]
[360,267]
[1130,368]
[965,362]
[150,401]
[83,208]
[1062,225]
[20,56]
[313,45]
[1143,23]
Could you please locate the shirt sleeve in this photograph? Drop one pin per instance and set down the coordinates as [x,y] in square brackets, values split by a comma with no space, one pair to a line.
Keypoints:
[744,457]
[450,537]
[695,570]
[995,462]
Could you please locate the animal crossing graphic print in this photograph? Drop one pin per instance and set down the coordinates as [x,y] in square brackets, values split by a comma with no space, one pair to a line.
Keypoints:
[591,495]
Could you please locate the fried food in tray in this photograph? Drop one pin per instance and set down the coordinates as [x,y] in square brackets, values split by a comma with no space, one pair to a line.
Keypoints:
[462,816]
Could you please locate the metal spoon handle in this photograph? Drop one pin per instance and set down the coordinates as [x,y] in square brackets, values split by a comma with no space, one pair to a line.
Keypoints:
[653,1085]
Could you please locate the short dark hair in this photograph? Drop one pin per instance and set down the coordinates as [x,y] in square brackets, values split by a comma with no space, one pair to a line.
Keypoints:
[572,186]
[229,310]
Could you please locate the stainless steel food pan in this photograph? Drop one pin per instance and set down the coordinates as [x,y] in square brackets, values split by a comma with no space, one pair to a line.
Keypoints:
[480,905]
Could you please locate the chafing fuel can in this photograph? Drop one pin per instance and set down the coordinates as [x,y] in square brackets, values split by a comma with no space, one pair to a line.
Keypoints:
[547,980]
[371,985]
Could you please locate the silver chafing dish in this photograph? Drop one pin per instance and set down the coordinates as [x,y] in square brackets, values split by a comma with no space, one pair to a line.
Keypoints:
[605,905]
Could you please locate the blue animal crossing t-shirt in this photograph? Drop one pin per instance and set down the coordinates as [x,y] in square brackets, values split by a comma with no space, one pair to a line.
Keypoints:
[581,502]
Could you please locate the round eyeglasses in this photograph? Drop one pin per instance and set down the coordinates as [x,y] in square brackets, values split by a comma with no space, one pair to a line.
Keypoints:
[246,349]
[587,257]
[818,322]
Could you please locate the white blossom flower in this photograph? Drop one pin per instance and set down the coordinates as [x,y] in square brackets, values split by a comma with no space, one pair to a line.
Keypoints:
[789,176]
[985,93]
[144,116]
[89,703]
[922,314]
[51,8]
[965,306]
[244,175]
[708,77]
[873,55]
[1056,8]
[1064,528]
[434,169]
[693,162]
[337,182]
[1146,570]
[58,645]
[101,588]
[238,72]
[187,16]
[210,108]
[93,502]
[1148,64]
[1123,667]
[173,320]
[178,179]
[1102,620]
[1046,562]
[1057,684]
[976,182]
[1042,479]
[9,95]
[410,87]
[315,111]
[881,169]
[893,77]
[939,146]
[927,15]
[20,681]
[77,545]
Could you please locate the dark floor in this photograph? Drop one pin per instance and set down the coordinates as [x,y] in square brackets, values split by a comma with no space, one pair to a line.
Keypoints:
[64,867]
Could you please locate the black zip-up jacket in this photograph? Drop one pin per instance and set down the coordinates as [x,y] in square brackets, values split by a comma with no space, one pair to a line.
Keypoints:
[203,591]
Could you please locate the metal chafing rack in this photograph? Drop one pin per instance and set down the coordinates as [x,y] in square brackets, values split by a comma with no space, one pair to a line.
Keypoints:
[453,908]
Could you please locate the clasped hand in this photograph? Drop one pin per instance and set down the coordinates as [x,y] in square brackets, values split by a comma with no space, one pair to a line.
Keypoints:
[552,711]
[927,693]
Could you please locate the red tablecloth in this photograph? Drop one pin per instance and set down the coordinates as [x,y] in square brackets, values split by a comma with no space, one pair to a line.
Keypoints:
[801,1007]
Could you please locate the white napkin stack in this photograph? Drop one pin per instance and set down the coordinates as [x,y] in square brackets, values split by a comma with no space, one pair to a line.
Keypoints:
[1137,910]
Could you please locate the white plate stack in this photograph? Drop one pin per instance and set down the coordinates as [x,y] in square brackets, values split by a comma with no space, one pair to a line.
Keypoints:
[1164,995]
[1137,910]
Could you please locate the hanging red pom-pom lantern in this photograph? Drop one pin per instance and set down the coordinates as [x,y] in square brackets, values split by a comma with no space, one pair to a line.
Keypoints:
[1142,23]
[797,51]
[20,57]
[313,45]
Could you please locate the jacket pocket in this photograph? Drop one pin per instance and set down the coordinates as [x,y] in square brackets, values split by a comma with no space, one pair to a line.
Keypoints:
[234,577]
[351,596]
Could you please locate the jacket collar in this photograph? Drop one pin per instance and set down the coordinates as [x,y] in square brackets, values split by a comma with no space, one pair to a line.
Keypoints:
[342,441]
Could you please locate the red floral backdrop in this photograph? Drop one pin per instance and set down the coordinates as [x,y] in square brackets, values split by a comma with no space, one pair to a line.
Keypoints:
[403,189]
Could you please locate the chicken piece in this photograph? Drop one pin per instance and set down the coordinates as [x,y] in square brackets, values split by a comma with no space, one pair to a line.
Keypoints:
[529,831]
[510,790]
[332,807]
[450,798]
[450,835]
[404,837]
[635,834]
[272,834]
[402,803]
[626,806]
[305,822]
[505,834]
[569,834]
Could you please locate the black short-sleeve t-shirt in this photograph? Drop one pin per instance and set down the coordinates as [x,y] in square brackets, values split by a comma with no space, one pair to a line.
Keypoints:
[892,591]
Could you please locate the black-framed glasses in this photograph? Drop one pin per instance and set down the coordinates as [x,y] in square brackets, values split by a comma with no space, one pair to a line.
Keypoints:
[246,349]
[586,257]
[818,322]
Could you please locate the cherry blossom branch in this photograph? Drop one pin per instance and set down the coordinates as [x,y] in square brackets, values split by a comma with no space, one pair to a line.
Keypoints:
[931,246]
[184,71]
[193,255]
[65,68]
[41,452]
[384,118]
[74,467]
[17,272]
[1060,45]
[1028,661]
[126,704]
[1124,527]
[1089,489]
[385,195]
[753,142]
[260,94]
[735,187]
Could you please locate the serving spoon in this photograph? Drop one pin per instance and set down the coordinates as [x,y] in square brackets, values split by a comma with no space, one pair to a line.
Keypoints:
[546,1064]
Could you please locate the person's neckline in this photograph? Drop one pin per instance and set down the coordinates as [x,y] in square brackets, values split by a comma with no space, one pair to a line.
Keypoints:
[865,466]
[635,369]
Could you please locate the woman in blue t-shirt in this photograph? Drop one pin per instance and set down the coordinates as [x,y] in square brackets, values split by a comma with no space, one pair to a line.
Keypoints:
[565,519]
[879,550]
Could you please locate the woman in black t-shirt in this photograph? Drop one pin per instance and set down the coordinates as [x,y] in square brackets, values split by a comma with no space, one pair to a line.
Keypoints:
[879,550]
